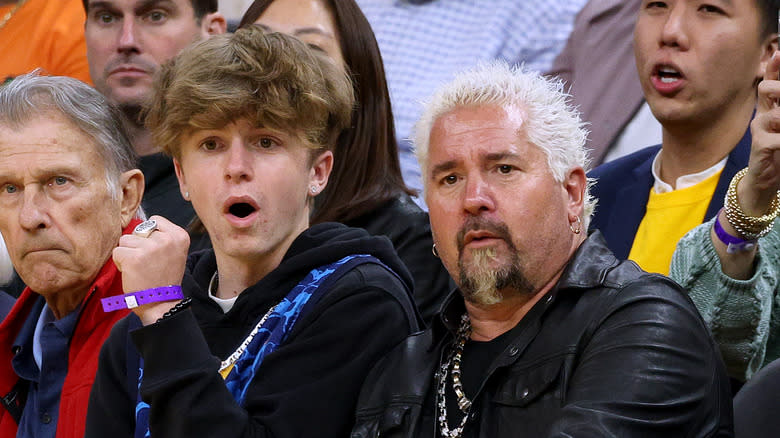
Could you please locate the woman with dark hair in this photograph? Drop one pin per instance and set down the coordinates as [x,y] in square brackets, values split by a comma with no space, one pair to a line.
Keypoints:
[366,188]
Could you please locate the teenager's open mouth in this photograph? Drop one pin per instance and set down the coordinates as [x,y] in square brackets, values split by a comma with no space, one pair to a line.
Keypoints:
[241,209]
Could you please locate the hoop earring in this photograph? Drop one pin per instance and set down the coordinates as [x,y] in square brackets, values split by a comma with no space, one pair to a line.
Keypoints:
[577,230]
[434,251]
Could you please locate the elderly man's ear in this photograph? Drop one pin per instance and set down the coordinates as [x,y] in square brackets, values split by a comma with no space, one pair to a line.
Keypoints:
[132,190]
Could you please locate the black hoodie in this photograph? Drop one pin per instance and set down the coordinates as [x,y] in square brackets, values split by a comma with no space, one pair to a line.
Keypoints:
[308,387]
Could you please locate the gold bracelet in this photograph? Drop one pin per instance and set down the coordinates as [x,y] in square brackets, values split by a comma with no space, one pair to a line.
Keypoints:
[749,227]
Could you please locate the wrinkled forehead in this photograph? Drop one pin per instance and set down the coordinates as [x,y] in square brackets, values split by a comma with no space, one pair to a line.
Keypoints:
[480,130]
[49,139]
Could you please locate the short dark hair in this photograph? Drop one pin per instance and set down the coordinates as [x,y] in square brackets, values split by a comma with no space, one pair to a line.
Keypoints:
[366,169]
[768,10]
[201,7]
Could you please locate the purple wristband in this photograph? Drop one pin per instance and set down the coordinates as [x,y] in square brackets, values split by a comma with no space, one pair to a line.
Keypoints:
[733,243]
[135,299]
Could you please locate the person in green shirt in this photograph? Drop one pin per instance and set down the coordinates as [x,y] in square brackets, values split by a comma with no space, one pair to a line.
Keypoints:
[731,264]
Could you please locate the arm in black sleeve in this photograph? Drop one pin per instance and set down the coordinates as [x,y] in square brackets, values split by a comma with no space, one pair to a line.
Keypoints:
[308,387]
[113,398]
[650,369]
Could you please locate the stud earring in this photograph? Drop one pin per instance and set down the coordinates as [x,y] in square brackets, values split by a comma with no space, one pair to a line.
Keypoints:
[187,196]
[313,190]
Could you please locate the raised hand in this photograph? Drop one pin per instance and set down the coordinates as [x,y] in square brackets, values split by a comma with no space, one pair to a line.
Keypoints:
[153,261]
[760,185]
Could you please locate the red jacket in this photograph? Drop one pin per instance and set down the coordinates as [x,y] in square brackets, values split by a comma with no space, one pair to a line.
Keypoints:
[92,328]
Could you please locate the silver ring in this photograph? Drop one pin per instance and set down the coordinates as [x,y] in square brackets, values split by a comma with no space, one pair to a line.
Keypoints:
[144,229]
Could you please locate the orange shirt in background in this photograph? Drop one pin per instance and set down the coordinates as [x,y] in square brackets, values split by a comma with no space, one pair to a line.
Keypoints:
[44,33]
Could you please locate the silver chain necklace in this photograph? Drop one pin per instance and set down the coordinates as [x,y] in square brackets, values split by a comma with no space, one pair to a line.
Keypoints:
[464,404]
[236,354]
[227,363]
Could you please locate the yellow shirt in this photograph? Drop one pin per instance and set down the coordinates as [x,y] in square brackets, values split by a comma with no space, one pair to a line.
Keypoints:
[669,216]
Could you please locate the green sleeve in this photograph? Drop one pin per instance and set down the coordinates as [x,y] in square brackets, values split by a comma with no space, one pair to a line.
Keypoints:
[742,314]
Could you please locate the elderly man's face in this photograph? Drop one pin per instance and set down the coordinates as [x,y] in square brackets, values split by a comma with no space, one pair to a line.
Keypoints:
[57,215]
[499,218]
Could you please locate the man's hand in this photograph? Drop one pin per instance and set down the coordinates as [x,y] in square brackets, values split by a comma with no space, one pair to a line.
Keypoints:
[760,185]
[153,261]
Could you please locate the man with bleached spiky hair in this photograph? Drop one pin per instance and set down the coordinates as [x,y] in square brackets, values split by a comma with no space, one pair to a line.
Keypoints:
[548,333]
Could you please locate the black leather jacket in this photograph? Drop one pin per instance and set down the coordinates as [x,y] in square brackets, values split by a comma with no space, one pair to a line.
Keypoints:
[611,351]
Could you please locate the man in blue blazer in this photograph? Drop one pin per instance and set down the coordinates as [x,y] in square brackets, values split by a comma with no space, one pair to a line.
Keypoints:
[699,66]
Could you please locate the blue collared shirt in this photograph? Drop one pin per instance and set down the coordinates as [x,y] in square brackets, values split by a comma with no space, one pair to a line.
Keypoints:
[424,45]
[45,366]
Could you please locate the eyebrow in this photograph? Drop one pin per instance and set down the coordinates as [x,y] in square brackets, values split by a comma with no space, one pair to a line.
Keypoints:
[142,6]
[146,5]
[100,5]
[500,156]
[313,30]
[301,31]
[490,158]
[444,167]
[726,3]
[47,173]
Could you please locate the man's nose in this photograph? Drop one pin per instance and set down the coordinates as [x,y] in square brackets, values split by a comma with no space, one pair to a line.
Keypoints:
[128,40]
[238,166]
[478,196]
[675,32]
[33,211]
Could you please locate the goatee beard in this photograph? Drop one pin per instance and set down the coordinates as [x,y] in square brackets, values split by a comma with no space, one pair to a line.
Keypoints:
[480,282]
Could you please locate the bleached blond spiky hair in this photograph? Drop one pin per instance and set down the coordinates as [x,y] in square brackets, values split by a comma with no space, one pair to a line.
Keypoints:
[552,125]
